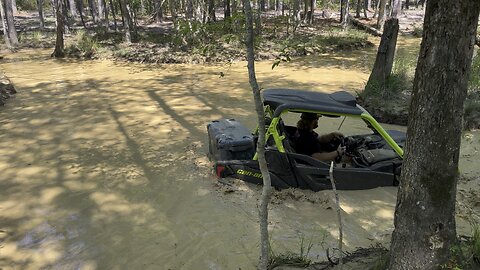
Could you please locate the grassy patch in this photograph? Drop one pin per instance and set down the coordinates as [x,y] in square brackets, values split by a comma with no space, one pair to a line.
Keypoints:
[297,259]
[82,45]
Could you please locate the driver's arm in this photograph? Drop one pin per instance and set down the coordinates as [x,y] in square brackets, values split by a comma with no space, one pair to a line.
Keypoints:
[326,138]
[329,156]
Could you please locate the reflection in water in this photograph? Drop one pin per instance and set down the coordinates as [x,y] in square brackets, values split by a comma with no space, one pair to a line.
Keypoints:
[103,166]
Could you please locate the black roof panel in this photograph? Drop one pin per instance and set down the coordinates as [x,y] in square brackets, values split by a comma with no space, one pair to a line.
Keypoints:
[290,99]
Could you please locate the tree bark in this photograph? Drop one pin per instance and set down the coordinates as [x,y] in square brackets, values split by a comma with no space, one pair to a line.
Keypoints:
[10,33]
[344,13]
[425,213]
[73,8]
[382,8]
[227,12]
[158,11]
[40,13]
[385,55]
[59,44]
[211,11]
[112,8]
[14,7]
[396,8]
[266,191]
[127,22]
[101,10]
[93,10]
[313,4]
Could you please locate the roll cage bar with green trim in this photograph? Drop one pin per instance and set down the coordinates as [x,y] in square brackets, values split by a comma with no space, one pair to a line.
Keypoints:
[272,129]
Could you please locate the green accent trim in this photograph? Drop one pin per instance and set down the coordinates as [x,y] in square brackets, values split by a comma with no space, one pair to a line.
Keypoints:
[367,117]
[272,129]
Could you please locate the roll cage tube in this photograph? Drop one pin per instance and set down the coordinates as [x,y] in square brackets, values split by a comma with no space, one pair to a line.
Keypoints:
[273,131]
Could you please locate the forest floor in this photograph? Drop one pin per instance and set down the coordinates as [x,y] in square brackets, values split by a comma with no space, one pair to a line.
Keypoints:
[157,42]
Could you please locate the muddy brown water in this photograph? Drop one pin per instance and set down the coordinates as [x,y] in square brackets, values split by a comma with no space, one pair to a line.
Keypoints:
[103,166]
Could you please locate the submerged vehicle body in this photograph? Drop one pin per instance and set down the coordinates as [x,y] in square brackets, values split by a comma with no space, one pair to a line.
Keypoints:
[376,158]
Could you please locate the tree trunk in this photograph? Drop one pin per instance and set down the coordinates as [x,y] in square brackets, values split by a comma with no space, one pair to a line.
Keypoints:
[127,22]
[382,8]
[14,7]
[40,13]
[305,11]
[101,10]
[80,11]
[59,44]
[10,33]
[407,4]
[358,9]
[234,7]
[228,12]
[313,4]
[158,11]
[73,8]
[365,8]
[262,5]
[112,8]
[385,55]
[93,10]
[4,24]
[396,8]
[344,13]
[266,191]
[211,11]
[189,10]
[425,213]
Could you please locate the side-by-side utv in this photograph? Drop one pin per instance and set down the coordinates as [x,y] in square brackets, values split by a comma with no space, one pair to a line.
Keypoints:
[374,159]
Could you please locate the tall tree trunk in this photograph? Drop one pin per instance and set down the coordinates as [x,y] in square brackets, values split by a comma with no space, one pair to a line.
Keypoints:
[93,10]
[189,10]
[59,44]
[234,7]
[358,9]
[107,22]
[425,228]
[112,8]
[385,55]
[262,5]
[100,10]
[211,11]
[266,191]
[14,7]
[127,22]
[382,8]
[80,11]
[40,13]
[305,11]
[396,8]
[226,6]
[313,4]
[158,10]
[73,8]
[407,4]
[344,13]
[4,24]
[365,8]
[10,33]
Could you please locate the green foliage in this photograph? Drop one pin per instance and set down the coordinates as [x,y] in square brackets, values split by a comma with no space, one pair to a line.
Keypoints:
[83,45]
[299,259]
[465,255]
[381,263]
[334,40]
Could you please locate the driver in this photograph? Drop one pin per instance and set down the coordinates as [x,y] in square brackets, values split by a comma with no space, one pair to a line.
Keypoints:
[324,148]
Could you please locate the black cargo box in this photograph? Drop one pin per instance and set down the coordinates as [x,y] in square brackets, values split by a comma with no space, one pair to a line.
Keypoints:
[229,140]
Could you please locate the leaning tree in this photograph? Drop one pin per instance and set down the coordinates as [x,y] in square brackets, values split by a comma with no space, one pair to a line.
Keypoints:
[267,187]
[425,213]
